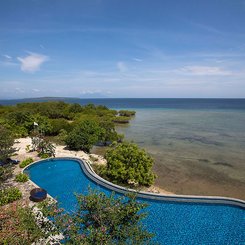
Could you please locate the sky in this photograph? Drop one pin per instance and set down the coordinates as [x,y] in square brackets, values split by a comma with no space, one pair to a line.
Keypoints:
[122,48]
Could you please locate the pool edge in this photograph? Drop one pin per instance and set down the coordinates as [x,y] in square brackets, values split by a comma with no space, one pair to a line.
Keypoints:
[89,172]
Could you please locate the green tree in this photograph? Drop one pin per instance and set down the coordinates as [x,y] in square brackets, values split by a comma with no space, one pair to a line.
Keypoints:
[108,133]
[102,220]
[44,126]
[6,143]
[83,136]
[59,124]
[128,164]
[126,113]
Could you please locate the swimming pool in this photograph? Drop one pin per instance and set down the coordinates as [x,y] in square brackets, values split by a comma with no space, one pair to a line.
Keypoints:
[173,222]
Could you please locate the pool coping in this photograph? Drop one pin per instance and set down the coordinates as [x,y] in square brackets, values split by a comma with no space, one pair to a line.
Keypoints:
[90,173]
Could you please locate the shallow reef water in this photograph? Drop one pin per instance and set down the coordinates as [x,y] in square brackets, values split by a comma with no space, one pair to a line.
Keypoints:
[195,151]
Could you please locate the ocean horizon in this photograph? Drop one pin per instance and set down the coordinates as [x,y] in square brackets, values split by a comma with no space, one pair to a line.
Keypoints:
[162,103]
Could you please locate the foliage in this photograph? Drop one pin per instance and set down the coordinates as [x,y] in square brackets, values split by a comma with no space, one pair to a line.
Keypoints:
[62,135]
[83,136]
[126,113]
[6,143]
[45,149]
[43,146]
[44,126]
[56,118]
[9,195]
[108,133]
[102,220]
[121,119]
[127,163]
[5,173]
[58,125]
[18,226]
[21,177]
[43,155]
[26,162]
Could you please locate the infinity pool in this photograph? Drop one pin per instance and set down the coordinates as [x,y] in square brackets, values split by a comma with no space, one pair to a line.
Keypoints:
[172,222]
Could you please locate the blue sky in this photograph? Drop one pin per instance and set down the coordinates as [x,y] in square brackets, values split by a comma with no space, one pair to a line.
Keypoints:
[122,48]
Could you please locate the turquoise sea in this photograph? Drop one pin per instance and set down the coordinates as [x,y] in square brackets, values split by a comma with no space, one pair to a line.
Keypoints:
[198,144]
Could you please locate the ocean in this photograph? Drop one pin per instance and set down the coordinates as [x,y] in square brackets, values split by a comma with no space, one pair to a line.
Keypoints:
[198,144]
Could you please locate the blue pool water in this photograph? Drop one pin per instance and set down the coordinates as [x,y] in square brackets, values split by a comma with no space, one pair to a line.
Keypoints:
[173,223]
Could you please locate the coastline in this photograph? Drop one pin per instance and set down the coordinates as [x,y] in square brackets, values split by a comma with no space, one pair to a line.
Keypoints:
[60,151]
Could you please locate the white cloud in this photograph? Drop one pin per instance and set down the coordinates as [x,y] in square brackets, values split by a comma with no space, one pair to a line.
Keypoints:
[137,59]
[122,66]
[7,56]
[205,70]
[35,90]
[19,90]
[32,62]
[7,61]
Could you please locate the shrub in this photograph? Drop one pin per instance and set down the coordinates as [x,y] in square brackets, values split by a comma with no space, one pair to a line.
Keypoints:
[83,136]
[100,219]
[19,226]
[21,177]
[126,113]
[45,149]
[43,155]
[121,120]
[26,162]
[58,125]
[5,173]
[9,195]
[6,143]
[128,164]
[62,135]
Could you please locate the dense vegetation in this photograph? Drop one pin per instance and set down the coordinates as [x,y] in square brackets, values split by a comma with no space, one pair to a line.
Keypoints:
[6,143]
[62,122]
[128,164]
[100,219]
[18,225]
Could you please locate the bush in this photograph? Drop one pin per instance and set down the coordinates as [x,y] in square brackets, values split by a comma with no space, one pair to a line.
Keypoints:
[5,173]
[126,113]
[45,149]
[43,155]
[21,177]
[58,125]
[128,164]
[121,120]
[26,162]
[100,219]
[9,195]
[108,132]
[83,136]
[6,143]
[19,226]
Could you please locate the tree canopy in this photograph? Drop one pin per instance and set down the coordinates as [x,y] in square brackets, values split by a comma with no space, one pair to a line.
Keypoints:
[83,136]
[102,219]
[128,164]
[57,118]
